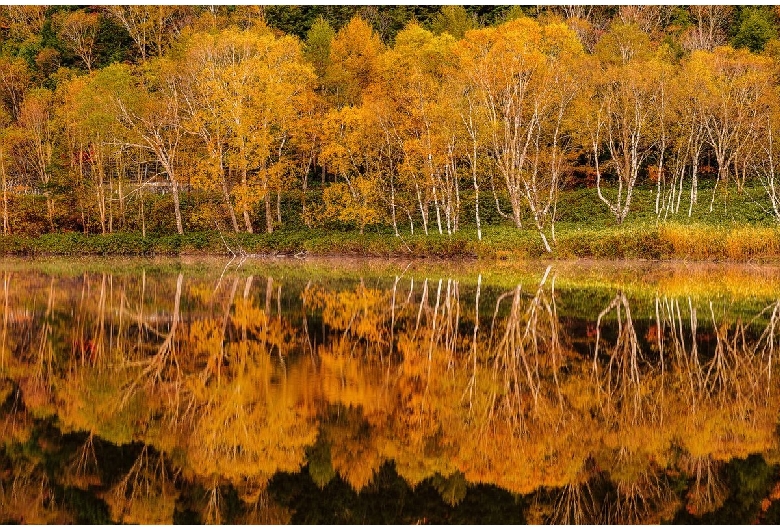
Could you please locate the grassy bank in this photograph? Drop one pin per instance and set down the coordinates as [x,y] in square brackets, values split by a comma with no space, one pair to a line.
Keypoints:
[697,242]
[738,228]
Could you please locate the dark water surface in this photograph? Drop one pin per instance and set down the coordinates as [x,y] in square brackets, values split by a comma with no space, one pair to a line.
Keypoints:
[385,392]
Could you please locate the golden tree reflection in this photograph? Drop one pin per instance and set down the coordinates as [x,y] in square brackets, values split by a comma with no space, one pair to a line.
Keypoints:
[709,489]
[624,380]
[214,385]
[146,494]
[82,471]
[28,497]
[647,499]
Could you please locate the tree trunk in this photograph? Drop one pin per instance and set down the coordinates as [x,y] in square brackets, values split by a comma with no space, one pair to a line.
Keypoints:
[50,210]
[392,206]
[6,225]
[694,184]
[122,219]
[722,174]
[101,207]
[228,204]
[516,211]
[279,207]
[141,196]
[97,168]
[143,217]
[110,203]
[247,220]
[176,205]
[269,216]
[438,214]
[423,210]
[303,196]
[476,207]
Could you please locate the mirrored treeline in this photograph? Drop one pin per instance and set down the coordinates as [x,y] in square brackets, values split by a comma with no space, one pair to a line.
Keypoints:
[222,394]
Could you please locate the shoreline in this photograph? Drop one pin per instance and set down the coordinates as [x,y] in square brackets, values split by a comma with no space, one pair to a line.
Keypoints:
[664,243]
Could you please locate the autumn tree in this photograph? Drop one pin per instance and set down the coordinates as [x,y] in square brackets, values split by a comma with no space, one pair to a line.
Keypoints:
[416,119]
[475,123]
[623,121]
[36,152]
[305,145]
[15,79]
[518,71]
[152,28]
[6,150]
[207,92]
[351,150]
[768,165]
[686,142]
[21,27]
[148,107]
[353,61]
[78,29]
[710,27]
[246,91]
[94,137]
[732,85]
[652,20]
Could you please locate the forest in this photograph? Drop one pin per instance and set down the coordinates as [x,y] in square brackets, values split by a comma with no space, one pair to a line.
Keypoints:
[537,126]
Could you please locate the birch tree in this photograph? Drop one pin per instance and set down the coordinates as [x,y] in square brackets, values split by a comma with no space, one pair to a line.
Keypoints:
[731,86]
[521,73]
[623,120]
[149,107]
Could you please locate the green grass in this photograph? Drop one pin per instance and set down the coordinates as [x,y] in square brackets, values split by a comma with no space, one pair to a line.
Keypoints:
[737,229]
[628,241]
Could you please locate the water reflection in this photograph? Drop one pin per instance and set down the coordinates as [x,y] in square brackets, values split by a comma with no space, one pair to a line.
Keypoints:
[147,397]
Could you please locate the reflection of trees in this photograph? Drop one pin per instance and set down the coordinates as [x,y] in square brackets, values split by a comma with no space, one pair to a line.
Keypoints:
[261,508]
[768,340]
[526,403]
[4,339]
[154,367]
[82,470]
[528,345]
[623,381]
[250,421]
[458,384]
[146,494]
[215,386]
[249,426]
[574,505]
[89,344]
[734,374]
[709,490]
[518,431]
[39,375]
[28,496]
[362,313]
[647,499]
[355,453]
[722,390]
[671,341]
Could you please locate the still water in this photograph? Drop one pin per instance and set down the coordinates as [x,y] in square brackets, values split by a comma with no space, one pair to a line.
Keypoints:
[388,392]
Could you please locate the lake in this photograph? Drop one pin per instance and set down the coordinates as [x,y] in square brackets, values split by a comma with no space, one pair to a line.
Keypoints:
[381,391]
